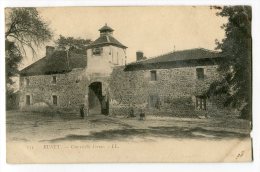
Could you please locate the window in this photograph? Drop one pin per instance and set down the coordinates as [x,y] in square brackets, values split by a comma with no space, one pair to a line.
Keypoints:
[201,103]
[154,101]
[153,75]
[97,51]
[200,73]
[27,81]
[21,82]
[54,79]
[28,99]
[55,100]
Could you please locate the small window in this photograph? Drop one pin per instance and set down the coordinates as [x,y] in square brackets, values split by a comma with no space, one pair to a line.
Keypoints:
[27,81]
[54,79]
[21,82]
[153,75]
[78,79]
[200,73]
[201,103]
[97,51]
[55,100]
[28,100]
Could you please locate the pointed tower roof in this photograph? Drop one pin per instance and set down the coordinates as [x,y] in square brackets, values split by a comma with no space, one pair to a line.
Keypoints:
[106,38]
[106,28]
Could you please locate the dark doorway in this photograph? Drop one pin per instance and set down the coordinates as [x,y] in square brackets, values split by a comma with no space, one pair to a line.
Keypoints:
[55,100]
[97,103]
[28,99]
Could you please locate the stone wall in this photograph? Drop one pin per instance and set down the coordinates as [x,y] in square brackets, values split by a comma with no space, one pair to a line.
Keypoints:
[70,89]
[175,88]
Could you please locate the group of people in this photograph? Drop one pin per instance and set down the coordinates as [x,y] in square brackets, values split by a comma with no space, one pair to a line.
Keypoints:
[84,112]
[132,114]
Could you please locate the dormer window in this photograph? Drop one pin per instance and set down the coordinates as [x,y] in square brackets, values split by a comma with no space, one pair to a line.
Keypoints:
[97,51]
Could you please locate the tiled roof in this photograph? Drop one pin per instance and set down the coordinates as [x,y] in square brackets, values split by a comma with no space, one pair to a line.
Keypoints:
[106,40]
[190,54]
[56,63]
[184,58]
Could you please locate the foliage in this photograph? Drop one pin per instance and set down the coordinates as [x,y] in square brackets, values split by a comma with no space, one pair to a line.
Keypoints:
[12,60]
[11,99]
[77,45]
[25,28]
[236,68]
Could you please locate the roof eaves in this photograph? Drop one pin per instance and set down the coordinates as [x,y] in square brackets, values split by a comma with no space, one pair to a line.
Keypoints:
[106,43]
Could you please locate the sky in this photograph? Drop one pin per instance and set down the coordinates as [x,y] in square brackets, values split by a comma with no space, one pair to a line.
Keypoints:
[153,30]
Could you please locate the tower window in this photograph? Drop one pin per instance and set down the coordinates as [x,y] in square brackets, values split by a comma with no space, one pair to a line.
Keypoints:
[97,51]
[153,75]
[200,73]
[117,60]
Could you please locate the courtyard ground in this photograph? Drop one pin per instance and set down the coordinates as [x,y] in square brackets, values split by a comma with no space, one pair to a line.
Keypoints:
[57,127]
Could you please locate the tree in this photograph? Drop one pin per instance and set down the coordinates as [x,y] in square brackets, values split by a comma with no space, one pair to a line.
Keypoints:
[77,45]
[24,29]
[236,68]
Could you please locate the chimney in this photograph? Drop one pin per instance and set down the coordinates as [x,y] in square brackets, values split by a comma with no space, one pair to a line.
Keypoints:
[139,55]
[49,50]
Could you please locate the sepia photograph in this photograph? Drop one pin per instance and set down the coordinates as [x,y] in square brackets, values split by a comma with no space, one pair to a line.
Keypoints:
[128,84]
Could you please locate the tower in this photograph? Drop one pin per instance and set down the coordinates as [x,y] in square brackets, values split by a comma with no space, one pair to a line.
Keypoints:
[105,52]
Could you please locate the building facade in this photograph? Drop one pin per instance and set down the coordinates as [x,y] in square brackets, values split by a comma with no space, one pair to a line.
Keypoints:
[103,82]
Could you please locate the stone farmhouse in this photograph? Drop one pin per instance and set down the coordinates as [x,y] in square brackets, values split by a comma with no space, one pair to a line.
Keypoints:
[102,81]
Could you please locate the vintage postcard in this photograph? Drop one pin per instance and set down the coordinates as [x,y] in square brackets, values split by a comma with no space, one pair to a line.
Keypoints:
[128,84]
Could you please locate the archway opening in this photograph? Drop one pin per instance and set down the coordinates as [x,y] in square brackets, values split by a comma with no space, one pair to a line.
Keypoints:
[97,102]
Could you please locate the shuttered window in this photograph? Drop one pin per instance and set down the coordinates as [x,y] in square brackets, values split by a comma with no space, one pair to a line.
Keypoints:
[201,103]
[200,73]
[154,101]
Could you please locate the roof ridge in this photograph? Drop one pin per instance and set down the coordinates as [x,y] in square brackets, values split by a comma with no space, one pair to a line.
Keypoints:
[174,53]
[71,56]
[178,51]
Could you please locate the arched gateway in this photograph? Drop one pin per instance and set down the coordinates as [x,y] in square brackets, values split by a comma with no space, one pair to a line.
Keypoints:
[103,55]
[97,102]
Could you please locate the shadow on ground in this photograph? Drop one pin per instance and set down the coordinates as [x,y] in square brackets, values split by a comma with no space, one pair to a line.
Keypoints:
[163,132]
